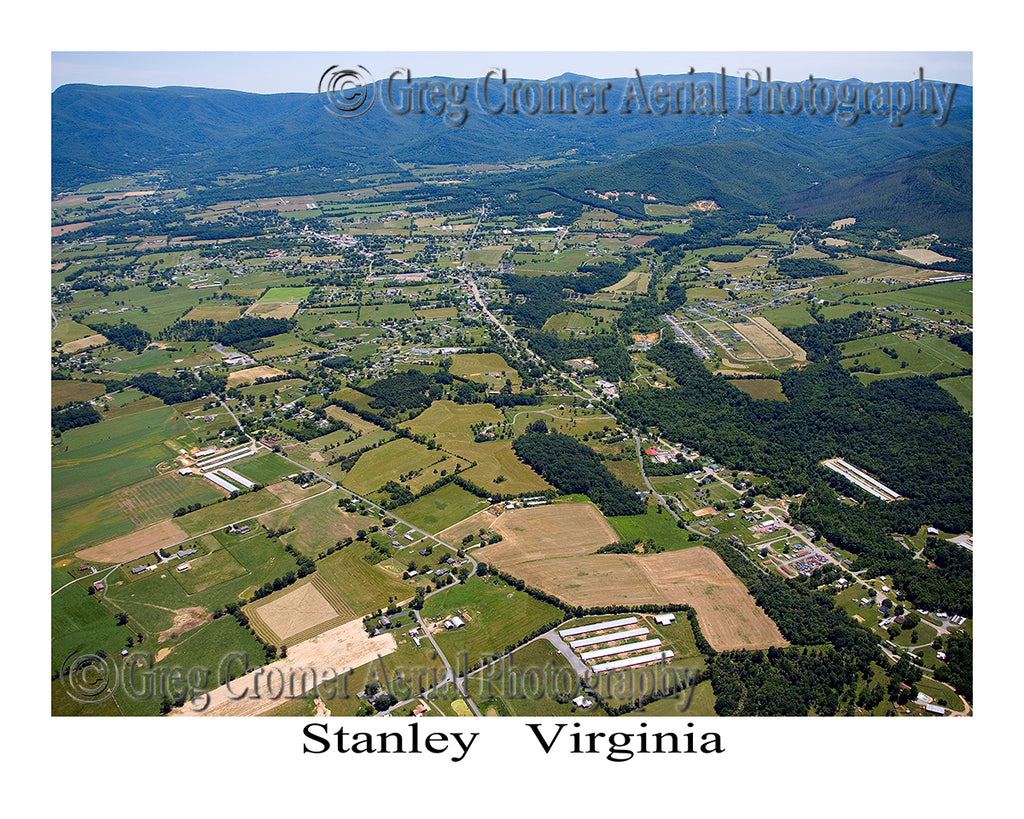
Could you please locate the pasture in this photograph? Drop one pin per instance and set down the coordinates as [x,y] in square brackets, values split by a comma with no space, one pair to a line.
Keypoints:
[441,508]
[403,461]
[67,392]
[496,616]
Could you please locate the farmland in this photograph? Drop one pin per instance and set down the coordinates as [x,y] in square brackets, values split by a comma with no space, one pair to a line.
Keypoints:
[286,417]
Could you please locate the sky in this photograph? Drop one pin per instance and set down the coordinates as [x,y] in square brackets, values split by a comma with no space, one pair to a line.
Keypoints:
[276,72]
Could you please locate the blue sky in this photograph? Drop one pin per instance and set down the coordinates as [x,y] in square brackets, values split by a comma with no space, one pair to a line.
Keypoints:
[275,72]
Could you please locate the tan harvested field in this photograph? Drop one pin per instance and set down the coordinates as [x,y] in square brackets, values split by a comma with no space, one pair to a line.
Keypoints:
[483,519]
[95,340]
[767,337]
[358,424]
[250,375]
[924,255]
[321,658]
[136,544]
[304,607]
[214,312]
[552,548]
[60,230]
[273,309]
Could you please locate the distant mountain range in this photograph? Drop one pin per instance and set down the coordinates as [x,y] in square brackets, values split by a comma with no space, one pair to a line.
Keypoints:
[924,193]
[746,161]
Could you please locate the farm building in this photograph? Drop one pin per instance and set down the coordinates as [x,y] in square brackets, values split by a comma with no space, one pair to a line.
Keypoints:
[611,651]
[571,632]
[631,661]
[234,476]
[607,638]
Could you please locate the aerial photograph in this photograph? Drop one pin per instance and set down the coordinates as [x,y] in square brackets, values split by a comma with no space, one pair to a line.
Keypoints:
[523,384]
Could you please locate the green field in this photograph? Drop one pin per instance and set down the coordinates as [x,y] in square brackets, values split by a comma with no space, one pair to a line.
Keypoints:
[962,389]
[441,508]
[761,389]
[495,614]
[922,356]
[955,298]
[661,528]
[264,469]
[569,321]
[529,683]
[399,458]
[285,294]
[105,481]
[364,587]
[152,601]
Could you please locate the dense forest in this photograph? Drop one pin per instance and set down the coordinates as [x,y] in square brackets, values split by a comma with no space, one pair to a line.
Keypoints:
[575,468]
[186,387]
[77,415]
[908,432]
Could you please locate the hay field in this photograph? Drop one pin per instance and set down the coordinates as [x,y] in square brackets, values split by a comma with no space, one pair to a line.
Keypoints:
[214,312]
[475,366]
[250,375]
[144,541]
[64,392]
[923,255]
[357,423]
[306,607]
[95,340]
[272,310]
[552,548]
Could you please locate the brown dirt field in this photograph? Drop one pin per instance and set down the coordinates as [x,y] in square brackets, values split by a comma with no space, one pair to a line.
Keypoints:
[555,530]
[60,230]
[136,544]
[327,655]
[185,620]
[273,309]
[288,492]
[552,548]
[250,375]
[84,343]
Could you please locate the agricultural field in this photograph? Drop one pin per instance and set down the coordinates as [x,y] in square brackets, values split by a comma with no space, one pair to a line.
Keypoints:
[496,615]
[554,548]
[441,508]
[381,348]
